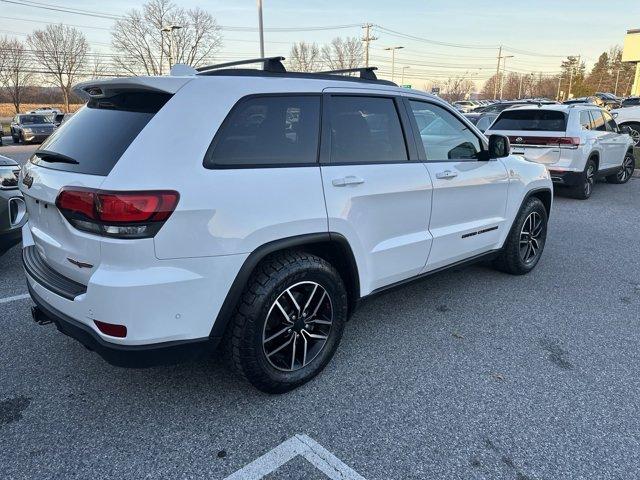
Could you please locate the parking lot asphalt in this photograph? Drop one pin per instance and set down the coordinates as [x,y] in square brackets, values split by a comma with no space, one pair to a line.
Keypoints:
[469,374]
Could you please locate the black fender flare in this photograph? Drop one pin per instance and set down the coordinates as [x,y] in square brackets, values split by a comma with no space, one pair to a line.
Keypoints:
[255,257]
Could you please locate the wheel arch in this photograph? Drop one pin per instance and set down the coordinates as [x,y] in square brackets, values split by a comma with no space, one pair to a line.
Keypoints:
[330,246]
[595,155]
[545,195]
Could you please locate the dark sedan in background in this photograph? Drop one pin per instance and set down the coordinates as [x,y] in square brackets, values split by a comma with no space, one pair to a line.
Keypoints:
[13,214]
[26,127]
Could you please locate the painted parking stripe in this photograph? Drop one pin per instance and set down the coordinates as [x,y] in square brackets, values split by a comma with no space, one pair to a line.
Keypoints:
[13,299]
[301,445]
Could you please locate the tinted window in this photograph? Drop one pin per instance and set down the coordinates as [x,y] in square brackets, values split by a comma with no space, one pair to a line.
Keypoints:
[585,119]
[443,135]
[630,101]
[268,131]
[33,119]
[598,121]
[365,130]
[99,133]
[610,122]
[541,120]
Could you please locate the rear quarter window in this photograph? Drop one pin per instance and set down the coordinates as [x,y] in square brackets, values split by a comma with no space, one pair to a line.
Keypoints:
[531,120]
[99,133]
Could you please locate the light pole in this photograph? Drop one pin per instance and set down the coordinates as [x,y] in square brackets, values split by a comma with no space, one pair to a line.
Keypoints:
[504,68]
[403,69]
[260,29]
[170,29]
[393,59]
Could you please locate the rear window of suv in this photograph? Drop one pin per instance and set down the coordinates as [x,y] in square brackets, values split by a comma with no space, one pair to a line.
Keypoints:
[95,138]
[531,120]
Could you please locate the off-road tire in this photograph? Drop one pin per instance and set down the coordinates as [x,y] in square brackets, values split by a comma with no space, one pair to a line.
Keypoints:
[243,340]
[510,258]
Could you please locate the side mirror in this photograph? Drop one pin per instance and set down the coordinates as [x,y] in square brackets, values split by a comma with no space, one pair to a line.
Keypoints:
[614,114]
[499,146]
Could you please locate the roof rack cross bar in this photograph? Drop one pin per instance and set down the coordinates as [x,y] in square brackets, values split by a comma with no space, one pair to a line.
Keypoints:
[271,64]
[366,73]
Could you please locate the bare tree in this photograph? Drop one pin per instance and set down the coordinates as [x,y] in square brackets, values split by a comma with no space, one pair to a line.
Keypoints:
[15,71]
[343,53]
[457,88]
[304,57]
[62,52]
[143,47]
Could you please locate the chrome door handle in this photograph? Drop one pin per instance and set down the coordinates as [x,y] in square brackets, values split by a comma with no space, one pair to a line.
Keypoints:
[446,174]
[349,180]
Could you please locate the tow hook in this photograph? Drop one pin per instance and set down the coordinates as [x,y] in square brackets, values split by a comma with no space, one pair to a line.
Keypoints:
[39,316]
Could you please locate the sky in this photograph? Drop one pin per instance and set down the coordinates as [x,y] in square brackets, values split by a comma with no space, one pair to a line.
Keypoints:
[449,38]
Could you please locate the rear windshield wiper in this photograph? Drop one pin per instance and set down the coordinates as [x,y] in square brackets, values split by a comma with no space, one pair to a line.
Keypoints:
[53,157]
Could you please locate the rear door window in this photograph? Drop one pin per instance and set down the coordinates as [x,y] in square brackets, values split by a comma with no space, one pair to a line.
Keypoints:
[365,130]
[99,133]
[531,120]
[268,131]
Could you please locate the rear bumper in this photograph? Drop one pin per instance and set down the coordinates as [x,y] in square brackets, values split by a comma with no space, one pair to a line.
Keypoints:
[560,177]
[132,356]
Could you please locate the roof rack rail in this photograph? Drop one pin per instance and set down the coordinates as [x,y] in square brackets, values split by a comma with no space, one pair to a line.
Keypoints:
[366,73]
[271,64]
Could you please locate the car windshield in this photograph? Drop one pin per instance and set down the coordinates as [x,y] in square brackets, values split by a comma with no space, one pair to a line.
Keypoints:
[33,119]
[531,120]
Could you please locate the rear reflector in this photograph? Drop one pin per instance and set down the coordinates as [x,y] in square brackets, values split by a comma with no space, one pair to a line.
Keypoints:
[117,214]
[111,329]
[563,142]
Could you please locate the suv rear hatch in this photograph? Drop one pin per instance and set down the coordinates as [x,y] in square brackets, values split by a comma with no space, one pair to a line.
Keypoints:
[77,158]
[537,134]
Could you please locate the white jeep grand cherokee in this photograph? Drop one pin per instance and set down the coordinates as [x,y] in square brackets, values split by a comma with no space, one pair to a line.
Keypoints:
[577,143]
[255,208]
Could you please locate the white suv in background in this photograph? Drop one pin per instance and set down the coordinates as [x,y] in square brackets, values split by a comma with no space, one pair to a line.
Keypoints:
[280,202]
[577,143]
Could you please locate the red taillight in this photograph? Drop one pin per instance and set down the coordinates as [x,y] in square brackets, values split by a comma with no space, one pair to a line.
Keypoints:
[111,329]
[117,214]
[136,207]
[563,142]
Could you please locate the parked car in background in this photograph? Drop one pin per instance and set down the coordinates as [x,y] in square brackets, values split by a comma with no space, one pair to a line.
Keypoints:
[60,118]
[499,106]
[31,128]
[465,106]
[586,100]
[315,190]
[630,102]
[12,207]
[577,143]
[629,117]
[609,99]
[45,111]
[482,121]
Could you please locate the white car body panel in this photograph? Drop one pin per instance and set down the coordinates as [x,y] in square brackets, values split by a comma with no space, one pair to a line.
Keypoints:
[400,222]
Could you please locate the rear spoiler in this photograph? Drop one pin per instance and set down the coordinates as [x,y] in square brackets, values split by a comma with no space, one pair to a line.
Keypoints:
[109,88]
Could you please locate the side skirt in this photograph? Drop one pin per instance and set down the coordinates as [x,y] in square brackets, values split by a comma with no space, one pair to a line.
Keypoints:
[462,263]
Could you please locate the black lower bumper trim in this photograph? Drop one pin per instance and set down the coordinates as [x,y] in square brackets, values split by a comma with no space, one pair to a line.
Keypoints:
[131,356]
[566,178]
[48,277]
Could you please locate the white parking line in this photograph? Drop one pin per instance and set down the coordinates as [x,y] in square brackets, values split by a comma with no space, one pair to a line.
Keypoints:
[13,299]
[302,445]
